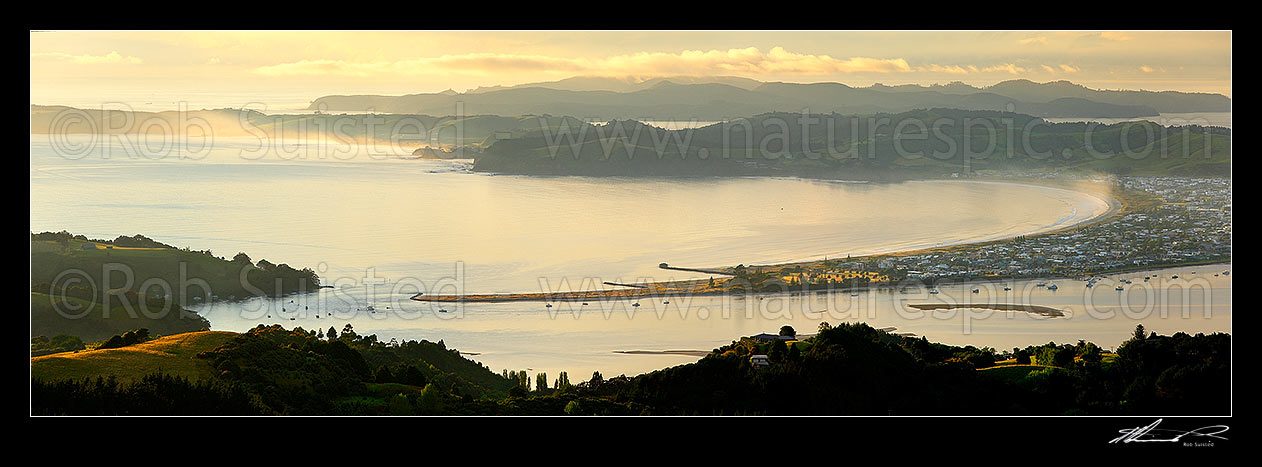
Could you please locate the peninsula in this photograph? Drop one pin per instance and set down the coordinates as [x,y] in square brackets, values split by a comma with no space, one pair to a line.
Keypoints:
[1190,217]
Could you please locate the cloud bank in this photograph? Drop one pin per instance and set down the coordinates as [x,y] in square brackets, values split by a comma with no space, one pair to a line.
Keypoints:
[748,60]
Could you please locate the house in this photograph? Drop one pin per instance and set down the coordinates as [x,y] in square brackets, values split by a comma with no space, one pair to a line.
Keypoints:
[89,246]
[759,361]
[764,337]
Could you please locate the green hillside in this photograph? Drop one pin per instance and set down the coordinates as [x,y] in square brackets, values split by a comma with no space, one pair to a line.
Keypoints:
[174,355]
[283,371]
[53,315]
[922,143]
[94,289]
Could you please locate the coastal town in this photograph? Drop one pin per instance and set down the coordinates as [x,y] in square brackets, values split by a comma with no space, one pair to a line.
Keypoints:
[1178,221]
[1191,224]
[1162,222]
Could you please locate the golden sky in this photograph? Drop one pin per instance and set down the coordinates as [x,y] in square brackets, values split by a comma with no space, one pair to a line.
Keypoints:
[285,67]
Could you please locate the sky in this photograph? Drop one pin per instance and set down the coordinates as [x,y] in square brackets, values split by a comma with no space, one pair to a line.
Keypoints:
[287,69]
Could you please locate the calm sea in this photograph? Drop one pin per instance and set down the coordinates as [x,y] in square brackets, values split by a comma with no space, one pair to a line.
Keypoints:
[380,228]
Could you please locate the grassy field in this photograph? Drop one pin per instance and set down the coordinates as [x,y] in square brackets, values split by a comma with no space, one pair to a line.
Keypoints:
[1009,371]
[175,355]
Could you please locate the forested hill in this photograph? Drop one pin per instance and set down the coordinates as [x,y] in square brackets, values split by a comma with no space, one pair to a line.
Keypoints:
[910,144]
[93,288]
[850,369]
[266,370]
[720,99]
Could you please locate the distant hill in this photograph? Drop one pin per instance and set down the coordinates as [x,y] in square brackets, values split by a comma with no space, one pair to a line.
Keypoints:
[1162,101]
[727,97]
[923,143]
[625,84]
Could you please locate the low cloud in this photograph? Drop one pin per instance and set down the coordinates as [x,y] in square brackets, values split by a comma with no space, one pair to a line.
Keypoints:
[1033,40]
[1007,67]
[952,69]
[112,57]
[747,60]
[1062,68]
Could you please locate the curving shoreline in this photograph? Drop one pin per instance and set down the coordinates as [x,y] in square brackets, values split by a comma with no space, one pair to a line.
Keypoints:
[704,287]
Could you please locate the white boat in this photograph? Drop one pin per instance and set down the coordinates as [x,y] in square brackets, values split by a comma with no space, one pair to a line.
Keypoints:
[1052,287]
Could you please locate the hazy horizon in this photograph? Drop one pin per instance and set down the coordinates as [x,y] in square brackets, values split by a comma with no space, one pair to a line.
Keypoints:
[286,69]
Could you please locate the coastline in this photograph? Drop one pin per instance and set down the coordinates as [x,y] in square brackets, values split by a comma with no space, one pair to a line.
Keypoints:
[1116,208]
[1119,202]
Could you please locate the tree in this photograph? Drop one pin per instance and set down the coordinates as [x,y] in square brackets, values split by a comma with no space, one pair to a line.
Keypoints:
[113,343]
[430,400]
[788,331]
[1139,332]
[824,326]
[541,382]
[1089,353]
[383,375]
[516,392]
[1022,356]
[1051,355]
[332,334]
[242,258]
[562,382]
[777,351]
[412,376]
[399,405]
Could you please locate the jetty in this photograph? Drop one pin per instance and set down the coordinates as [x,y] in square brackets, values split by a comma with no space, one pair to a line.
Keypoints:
[703,271]
[651,289]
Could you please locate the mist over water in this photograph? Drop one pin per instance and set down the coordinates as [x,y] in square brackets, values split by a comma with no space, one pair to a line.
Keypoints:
[418,218]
